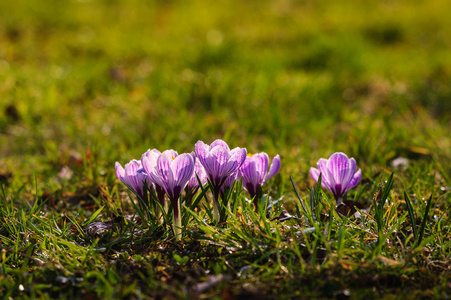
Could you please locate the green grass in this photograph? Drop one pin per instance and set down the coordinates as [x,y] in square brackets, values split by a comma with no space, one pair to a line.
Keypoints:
[86,83]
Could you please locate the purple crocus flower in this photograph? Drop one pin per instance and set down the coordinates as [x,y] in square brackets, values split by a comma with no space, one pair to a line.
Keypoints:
[219,162]
[255,172]
[173,172]
[193,183]
[338,174]
[132,176]
[149,162]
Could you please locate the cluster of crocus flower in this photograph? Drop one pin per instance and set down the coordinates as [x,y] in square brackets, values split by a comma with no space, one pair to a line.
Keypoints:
[224,166]
[169,173]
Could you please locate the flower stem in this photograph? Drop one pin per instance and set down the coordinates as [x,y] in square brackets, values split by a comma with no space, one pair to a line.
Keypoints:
[158,213]
[216,204]
[177,224]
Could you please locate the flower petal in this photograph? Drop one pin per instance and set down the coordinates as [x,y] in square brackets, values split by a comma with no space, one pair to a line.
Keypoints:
[216,162]
[131,174]
[350,172]
[182,168]
[193,155]
[250,176]
[150,166]
[165,174]
[221,143]
[149,163]
[220,154]
[261,165]
[152,155]
[314,172]
[355,180]
[274,169]
[327,179]
[341,167]
[236,160]
[132,167]
[199,171]
[171,154]
[120,172]
[229,181]
[202,151]
[206,159]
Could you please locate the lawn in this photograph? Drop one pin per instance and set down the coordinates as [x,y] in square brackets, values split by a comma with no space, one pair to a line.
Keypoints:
[88,83]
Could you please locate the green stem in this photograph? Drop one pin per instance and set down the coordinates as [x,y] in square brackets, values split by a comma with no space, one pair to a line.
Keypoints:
[158,214]
[216,205]
[177,224]
[160,194]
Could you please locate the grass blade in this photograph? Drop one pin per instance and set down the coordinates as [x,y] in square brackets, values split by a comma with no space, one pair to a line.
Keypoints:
[411,215]
[312,204]
[93,217]
[380,206]
[301,201]
[425,219]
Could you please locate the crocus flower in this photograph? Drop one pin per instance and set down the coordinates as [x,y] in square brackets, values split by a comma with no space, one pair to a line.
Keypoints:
[255,172]
[193,183]
[132,177]
[219,162]
[338,174]
[173,172]
[149,162]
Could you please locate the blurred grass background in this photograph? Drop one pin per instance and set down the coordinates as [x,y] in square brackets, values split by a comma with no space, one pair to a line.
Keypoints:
[304,79]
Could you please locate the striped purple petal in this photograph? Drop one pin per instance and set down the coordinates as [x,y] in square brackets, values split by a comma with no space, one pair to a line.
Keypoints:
[355,180]
[199,171]
[255,171]
[217,159]
[342,168]
[165,174]
[183,168]
[149,163]
[314,172]
[132,176]
[338,174]
[250,176]
[327,180]
[236,160]
[120,172]
[175,172]
[220,143]
[202,151]
[261,165]
[274,169]
[170,153]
